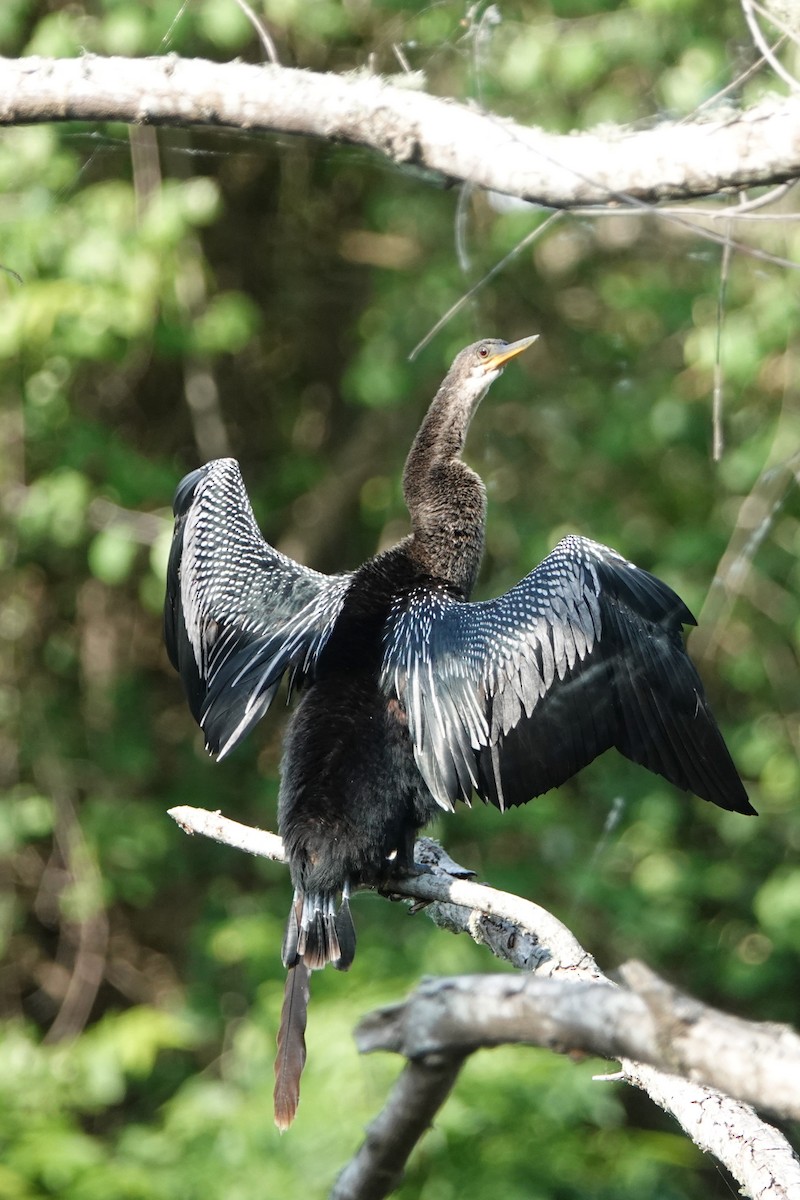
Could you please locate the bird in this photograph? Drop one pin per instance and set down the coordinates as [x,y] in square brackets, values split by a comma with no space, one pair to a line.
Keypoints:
[413,696]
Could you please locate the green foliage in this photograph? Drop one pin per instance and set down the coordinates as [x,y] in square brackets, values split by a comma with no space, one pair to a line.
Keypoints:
[183,294]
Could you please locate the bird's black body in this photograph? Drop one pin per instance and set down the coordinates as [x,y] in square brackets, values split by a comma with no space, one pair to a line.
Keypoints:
[351,797]
[413,696]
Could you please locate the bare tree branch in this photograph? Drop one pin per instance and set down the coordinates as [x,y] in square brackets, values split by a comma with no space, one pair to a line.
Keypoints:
[489,916]
[671,161]
[647,1020]
[230,833]
[455,1016]
[497,919]
[756,1154]
[378,1166]
[577,1008]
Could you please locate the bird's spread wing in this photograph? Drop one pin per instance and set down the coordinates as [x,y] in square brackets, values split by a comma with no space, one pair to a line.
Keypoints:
[238,613]
[513,696]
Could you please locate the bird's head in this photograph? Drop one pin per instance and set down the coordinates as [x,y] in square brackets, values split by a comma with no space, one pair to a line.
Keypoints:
[481,363]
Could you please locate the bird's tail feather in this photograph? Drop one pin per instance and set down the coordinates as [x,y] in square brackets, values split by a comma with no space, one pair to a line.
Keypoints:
[316,934]
[346,934]
[291,1055]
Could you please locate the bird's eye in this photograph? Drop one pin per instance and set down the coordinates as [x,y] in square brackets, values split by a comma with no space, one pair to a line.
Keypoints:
[483,352]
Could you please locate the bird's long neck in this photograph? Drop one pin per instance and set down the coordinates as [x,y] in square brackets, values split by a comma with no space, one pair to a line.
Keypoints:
[445,498]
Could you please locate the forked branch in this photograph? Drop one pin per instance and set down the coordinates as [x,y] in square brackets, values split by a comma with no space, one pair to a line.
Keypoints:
[698,1058]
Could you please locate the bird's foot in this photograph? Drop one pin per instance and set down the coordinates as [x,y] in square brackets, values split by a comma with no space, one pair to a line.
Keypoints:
[396,869]
[428,859]
[430,854]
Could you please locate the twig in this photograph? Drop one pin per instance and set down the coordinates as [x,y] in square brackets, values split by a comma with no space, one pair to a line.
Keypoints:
[755,519]
[761,42]
[521,245]
[261,30]
[230,833]
[718,441]
[83,939]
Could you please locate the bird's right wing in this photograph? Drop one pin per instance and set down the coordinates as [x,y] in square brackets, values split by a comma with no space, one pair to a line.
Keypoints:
[513,696]
[237,613]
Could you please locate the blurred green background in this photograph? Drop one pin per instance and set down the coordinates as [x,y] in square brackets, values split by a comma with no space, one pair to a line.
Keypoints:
[179,295]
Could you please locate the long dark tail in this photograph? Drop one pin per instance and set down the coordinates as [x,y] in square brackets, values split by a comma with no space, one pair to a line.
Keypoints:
[316,934]
[291,1055]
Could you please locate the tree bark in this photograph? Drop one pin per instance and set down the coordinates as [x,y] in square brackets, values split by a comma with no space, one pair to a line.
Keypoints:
[647,1020]
[459,142]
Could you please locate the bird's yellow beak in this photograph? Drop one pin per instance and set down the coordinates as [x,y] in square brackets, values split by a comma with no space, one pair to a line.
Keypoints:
[511,351]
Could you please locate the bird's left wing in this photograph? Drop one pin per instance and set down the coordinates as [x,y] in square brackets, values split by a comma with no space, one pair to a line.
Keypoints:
[511,697]
[238,613]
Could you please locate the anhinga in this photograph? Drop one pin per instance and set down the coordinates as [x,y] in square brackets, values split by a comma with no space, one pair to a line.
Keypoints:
[413,696]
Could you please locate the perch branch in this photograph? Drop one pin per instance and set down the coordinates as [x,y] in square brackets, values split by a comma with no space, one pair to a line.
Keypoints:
[229,833]
[647,1018]
[515,929]
[755,147]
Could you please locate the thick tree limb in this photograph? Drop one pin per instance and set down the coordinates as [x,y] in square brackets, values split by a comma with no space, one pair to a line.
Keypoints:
[456,1016]
[758,146]
[647,1020]
[577,1008]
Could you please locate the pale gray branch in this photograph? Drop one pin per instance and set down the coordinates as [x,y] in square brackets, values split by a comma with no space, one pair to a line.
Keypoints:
[756,1154]
[578,1008]
[456,1016]
[647,1020]
[377,1168]
[515,929]
[230,833]
[760,145]
[755,1061]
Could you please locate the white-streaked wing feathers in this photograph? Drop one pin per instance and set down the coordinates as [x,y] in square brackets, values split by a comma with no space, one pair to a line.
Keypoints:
[238,613]
[468,672]
[513,696]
